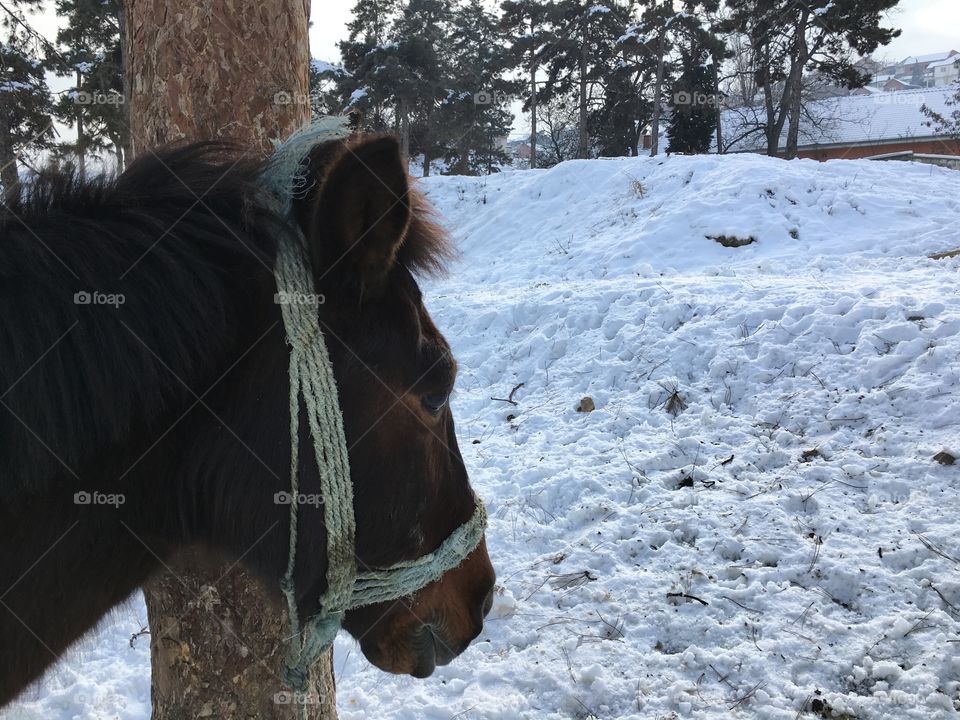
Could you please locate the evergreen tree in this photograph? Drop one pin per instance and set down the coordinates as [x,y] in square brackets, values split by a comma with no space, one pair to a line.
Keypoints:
[694,108]
[583,51]
[25,99]
[91,54]
[421,76]
[695,98]
[525,21]
[476,119]
[370,64]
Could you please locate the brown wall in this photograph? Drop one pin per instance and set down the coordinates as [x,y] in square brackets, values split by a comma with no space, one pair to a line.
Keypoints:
[933,147]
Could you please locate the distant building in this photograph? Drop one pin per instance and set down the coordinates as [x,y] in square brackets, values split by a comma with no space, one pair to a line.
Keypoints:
[854,126]
[945,72]
[895,85]
[916,70]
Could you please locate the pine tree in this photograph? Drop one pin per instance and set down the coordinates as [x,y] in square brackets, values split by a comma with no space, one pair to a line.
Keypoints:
[695,97]
[582,53]
[421,75]
[476,119]
[25,99]
[526,22]
[91,54]
[369,62]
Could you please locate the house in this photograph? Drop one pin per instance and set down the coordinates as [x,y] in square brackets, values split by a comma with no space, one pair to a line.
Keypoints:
[945,72]
[916,70]
[853,126]
[896,84]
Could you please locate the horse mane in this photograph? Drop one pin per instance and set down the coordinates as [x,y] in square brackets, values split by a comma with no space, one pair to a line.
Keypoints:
[178,235]
[184,237]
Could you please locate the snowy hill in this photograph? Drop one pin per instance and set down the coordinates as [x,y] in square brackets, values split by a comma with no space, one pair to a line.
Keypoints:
[751,523]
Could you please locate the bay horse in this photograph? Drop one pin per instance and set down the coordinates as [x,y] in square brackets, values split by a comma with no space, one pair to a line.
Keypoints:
[145,394]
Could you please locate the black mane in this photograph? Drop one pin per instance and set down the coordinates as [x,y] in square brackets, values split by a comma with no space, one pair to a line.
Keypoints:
[77,378]
[184,237]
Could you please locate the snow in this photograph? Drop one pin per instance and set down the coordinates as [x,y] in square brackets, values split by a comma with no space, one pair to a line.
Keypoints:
[358,95]
[751,522]
[323,66]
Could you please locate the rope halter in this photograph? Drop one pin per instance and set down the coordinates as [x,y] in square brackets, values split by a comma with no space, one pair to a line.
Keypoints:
[311,377]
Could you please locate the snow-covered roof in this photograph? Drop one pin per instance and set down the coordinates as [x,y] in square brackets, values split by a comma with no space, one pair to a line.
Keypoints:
[850,120]
[944,63]
[933,57]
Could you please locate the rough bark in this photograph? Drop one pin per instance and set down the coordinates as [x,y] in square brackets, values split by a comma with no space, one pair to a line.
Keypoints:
[224,68]
[233,69]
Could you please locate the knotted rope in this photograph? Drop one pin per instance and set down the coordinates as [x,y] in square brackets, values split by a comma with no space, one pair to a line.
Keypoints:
[311,377]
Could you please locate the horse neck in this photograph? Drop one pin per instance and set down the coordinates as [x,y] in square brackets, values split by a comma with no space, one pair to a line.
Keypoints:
[210,481]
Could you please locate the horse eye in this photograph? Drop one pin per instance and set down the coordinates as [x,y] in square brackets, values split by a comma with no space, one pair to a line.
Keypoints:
[434,403]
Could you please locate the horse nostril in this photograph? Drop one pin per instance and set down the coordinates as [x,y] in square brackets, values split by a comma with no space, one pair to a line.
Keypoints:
[488,603]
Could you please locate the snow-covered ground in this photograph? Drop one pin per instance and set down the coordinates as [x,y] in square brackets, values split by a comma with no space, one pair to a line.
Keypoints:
[751,523]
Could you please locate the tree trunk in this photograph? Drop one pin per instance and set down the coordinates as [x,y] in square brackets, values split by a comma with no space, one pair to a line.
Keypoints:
[799,61]
[404,127]
[717,106]
[9,174]
[583,148]
[233,69]
[657,92]
[533,101]
[81,136]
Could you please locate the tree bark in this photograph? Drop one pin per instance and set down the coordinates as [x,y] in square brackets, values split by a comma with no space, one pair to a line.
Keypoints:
[234,69]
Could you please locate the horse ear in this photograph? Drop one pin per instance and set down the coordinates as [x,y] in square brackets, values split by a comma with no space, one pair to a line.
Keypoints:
[361,213]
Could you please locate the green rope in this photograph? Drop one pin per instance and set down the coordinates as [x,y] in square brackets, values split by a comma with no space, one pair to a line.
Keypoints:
[311,377]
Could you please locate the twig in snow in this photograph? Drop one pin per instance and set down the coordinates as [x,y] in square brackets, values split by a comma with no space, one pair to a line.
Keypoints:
[687,596]
[509,398]
[934,549]
[748,695]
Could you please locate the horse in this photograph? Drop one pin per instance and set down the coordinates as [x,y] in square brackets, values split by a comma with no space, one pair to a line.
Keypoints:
[145,394]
